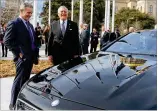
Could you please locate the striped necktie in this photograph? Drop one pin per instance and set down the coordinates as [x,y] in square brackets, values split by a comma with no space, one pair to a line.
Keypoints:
[31,35]
[63,28]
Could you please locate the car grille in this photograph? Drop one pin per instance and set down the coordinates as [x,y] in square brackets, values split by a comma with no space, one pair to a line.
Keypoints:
[22,105]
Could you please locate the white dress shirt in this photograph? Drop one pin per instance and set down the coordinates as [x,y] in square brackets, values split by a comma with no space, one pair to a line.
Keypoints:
[65,24]
[102,33]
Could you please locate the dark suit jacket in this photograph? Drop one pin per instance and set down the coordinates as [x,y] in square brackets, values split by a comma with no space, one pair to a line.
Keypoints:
[104,39]
[117,34]
[17,39]
[63,48]
[94,38]
[85,36]
[112,36]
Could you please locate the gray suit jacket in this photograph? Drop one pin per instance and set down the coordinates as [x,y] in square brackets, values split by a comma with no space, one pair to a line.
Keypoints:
[85,36]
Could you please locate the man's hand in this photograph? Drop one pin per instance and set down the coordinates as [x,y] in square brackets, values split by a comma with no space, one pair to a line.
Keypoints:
[50,58]
[75,56]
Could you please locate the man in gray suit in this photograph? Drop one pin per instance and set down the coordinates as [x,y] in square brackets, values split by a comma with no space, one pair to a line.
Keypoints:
[85,36]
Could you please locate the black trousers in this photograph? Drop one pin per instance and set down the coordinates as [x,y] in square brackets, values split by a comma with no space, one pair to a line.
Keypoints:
[4,50]
[85,49]
[46,48]
[23,71]
[93,48]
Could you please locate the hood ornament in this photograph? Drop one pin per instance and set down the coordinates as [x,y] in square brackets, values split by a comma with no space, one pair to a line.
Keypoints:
[55,102]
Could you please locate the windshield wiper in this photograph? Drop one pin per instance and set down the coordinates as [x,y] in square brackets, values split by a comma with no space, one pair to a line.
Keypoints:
[130,53]
[123,41]
[105,53]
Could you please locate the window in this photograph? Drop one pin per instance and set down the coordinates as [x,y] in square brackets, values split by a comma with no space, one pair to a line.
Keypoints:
[116,9]
[141,8]
[150,9]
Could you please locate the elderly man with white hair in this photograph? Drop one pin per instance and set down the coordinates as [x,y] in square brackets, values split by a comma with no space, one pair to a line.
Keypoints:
[63,43]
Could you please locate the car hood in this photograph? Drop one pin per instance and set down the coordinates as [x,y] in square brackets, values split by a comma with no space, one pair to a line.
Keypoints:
[106,81]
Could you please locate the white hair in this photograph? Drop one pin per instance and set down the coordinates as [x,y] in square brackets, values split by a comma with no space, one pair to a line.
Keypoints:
[85,24]
[61,7]
[24,5]
[131,29]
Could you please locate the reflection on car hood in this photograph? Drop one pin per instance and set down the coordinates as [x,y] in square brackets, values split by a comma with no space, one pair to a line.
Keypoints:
[107,81]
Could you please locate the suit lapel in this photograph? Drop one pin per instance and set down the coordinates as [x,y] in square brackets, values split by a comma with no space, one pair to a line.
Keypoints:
[67,27]
[22,23]
[25,28]
[58,28]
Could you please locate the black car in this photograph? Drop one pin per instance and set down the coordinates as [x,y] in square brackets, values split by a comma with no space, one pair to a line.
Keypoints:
[122,76]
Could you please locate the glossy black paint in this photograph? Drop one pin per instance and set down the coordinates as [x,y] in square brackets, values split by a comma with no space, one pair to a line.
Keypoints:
[101,80]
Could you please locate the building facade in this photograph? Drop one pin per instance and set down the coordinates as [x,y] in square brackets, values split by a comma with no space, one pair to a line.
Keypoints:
[144,6]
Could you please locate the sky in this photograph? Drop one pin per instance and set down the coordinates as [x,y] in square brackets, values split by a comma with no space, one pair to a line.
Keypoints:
[39,8]
[40,5]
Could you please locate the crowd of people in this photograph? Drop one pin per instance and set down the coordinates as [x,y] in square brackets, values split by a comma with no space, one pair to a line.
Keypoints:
[63,41]
[42,36]
[95,37]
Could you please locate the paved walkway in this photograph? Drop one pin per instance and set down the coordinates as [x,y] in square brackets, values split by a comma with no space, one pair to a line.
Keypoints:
[5,92]
[10,55]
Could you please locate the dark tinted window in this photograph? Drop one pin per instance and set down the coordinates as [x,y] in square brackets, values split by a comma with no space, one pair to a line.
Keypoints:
[137,42]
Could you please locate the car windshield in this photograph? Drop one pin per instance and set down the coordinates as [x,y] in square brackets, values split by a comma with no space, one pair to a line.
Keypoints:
[138,42]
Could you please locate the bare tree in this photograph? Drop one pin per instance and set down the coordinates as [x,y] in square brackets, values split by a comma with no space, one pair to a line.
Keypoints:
[10,10]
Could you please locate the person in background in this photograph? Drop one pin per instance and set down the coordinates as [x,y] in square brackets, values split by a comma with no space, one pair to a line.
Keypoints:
[114,35]
[94,40]
[4,48]
[117,33]
[85,36]
[102,30]
[125,31]
[38,33]
[131,29]
[80,28]
[20,39]
[63,43]
[46,35]
[104,36]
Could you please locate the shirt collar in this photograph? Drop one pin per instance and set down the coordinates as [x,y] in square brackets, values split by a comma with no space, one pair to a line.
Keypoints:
[23,19]
[61,21]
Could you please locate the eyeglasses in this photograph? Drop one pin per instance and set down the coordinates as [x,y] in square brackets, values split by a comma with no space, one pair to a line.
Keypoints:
[63,11]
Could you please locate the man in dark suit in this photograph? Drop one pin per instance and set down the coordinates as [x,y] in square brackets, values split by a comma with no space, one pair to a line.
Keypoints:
[38,33]
[85,36]
[20,39]
[117,32]
[63,42]
[94,40]
[114,35]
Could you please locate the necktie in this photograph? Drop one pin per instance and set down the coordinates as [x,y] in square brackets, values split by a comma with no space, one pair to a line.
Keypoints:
[63,28]
[31,35]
